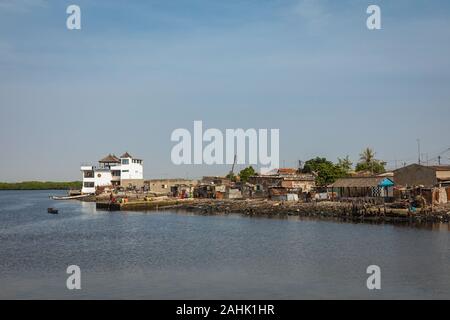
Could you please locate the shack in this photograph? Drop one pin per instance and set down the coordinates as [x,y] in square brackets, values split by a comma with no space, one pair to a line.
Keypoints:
[362,187]
[168,186]
[182,191]
[283,177]
[216,180]
[283,194]
[416,175]
[205,191]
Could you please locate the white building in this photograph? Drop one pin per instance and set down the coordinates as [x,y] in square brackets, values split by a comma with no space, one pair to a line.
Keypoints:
[111,171]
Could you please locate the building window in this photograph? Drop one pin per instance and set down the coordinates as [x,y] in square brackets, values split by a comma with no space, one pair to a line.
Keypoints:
[125,161]
[125,171]
[88,174]
[89,185]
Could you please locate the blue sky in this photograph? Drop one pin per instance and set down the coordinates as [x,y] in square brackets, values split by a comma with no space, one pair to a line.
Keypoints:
[140,69]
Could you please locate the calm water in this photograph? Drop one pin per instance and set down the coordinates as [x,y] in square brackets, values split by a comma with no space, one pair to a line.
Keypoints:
[175,255]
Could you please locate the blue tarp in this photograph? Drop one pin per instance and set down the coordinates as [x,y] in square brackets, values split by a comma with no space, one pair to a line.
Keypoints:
[386,183]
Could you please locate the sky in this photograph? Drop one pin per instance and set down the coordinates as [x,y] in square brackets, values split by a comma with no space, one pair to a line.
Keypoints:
[138,70]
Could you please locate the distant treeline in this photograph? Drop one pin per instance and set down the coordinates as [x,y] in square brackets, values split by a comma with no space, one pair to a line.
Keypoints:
[39,185]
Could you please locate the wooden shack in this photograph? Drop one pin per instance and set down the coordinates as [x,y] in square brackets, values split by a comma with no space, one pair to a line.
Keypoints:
[362,187]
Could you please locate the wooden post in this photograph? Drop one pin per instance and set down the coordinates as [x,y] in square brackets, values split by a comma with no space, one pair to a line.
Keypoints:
[432,198]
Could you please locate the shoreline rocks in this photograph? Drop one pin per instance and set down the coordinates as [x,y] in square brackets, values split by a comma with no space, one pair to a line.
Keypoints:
[334,210]
[342,211]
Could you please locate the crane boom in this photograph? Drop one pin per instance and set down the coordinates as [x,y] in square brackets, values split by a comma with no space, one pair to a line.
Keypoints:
[232,168]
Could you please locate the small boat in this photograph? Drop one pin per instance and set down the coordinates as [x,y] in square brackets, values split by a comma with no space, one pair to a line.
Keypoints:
[70,197]
[52,211]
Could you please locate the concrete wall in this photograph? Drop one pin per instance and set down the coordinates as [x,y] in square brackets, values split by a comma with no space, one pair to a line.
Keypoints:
[306,186]
[138,183]
[443,175]
[164,185]
[264,182]
[102,178]
[415,175]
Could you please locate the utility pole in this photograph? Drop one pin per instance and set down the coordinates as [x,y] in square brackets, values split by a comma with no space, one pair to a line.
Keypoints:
[418,149]
[439,160]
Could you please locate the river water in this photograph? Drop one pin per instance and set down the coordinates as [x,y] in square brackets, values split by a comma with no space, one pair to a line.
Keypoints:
[173,255]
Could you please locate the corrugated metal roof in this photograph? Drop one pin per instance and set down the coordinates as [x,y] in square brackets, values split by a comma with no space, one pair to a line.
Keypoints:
[287,171]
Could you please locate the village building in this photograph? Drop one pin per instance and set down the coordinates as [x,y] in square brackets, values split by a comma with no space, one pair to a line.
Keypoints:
[283,194]
[213,187]
[416,175]
[432,183]
[113,172]
[173,187]
[291,180]
[215,180]
[362,187]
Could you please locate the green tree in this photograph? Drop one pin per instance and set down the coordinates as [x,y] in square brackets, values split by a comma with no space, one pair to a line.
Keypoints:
[246,173]
[374,167]
[368,162]
[231,176]
[327,172]
[40,185]
[345,164]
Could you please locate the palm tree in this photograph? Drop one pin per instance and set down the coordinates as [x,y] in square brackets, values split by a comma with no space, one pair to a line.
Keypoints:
[367,156]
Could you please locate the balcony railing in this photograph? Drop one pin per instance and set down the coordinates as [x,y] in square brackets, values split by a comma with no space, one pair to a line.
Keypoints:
[94,167]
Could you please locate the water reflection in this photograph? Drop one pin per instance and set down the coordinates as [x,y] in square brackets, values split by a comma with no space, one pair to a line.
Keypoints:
[182,255]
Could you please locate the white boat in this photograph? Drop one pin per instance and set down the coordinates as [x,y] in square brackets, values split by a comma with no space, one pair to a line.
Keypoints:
[70,197]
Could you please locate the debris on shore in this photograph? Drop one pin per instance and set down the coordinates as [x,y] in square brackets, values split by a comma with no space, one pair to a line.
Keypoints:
[325,209]
[263,207]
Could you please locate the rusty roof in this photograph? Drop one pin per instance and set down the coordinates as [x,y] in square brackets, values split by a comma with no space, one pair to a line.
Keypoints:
[287,171]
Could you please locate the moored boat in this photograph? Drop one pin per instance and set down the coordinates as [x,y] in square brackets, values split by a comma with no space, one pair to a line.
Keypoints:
[70,197]
[52,211]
